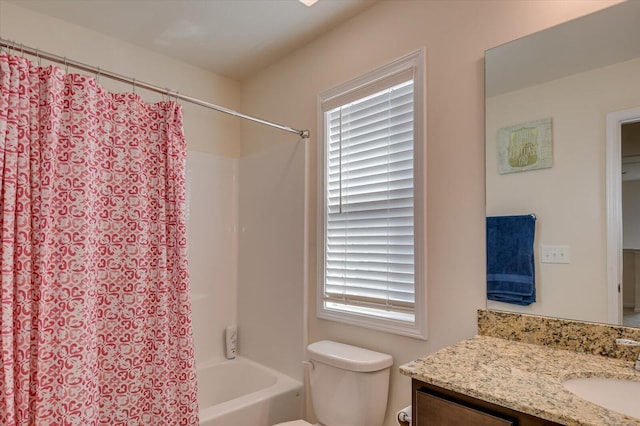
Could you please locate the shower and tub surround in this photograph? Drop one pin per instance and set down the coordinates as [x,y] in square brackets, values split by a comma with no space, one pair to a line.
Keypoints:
[243,392]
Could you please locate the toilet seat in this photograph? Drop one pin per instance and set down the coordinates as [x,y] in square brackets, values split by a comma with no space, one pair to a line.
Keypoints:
[294,423]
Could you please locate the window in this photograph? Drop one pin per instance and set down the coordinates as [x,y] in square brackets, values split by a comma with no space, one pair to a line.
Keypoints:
[372,222]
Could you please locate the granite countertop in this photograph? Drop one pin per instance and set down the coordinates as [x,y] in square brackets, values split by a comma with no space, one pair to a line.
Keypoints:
[523,377]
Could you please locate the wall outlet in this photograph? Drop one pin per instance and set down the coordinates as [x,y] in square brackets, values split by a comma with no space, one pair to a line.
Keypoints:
[555,254]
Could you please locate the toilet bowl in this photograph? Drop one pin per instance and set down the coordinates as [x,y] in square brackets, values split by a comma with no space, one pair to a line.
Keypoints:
[349,385]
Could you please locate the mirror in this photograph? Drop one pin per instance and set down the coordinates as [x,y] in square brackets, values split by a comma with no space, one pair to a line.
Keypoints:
[566,100]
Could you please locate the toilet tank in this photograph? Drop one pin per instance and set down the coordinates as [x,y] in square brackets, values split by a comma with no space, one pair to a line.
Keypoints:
[349,384]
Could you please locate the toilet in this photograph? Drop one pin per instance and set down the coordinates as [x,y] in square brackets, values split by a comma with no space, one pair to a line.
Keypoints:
[348,385]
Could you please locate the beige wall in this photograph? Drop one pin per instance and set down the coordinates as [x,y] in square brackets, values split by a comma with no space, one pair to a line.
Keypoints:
[455,35]
[568,198]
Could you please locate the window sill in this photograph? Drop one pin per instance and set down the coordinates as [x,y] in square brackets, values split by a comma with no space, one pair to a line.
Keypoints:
[402,328]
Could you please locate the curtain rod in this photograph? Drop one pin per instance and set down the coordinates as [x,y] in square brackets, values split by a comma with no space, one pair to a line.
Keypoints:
[123,79]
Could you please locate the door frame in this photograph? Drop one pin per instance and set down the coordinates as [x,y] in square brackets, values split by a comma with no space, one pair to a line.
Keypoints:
[613,171]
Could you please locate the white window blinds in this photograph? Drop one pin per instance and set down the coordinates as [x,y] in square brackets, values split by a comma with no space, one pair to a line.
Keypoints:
[369,251]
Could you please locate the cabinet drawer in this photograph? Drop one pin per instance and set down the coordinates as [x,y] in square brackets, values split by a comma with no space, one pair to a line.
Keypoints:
[441,412]
[437,406]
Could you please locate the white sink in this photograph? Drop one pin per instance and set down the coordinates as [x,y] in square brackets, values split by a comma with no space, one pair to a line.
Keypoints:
[618,395]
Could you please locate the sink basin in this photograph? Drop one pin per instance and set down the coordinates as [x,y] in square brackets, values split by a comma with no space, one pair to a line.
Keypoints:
[618,395]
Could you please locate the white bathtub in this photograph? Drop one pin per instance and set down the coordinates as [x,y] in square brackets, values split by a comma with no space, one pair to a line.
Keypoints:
[244,393]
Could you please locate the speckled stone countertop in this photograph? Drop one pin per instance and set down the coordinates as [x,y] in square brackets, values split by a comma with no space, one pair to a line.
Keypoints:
[523,377]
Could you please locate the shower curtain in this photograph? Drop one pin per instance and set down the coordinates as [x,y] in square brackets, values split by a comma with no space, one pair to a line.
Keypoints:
[95,311]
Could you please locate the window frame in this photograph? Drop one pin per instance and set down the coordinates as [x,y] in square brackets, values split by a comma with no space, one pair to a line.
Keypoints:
[376,80]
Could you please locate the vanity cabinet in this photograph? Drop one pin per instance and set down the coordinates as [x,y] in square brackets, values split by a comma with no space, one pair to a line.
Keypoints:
[435,406]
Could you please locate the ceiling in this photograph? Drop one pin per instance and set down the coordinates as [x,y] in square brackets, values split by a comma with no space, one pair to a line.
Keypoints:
[232,38]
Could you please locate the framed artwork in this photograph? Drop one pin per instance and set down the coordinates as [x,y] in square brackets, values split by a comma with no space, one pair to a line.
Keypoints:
[526,146]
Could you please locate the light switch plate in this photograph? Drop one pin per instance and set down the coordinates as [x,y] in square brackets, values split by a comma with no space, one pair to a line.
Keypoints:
[555,254]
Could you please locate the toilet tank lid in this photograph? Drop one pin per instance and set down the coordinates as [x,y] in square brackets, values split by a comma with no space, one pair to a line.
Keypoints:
[348,357]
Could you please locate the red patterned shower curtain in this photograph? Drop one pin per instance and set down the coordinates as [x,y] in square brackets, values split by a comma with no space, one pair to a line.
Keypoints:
[95,313]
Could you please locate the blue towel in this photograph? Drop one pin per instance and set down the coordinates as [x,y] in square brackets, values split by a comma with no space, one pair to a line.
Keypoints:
[510,262]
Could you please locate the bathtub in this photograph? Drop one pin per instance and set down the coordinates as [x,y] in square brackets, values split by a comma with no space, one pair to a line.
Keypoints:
[243,392]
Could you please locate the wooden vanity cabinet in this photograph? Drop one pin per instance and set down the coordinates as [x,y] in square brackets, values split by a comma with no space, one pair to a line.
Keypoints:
[435,406]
